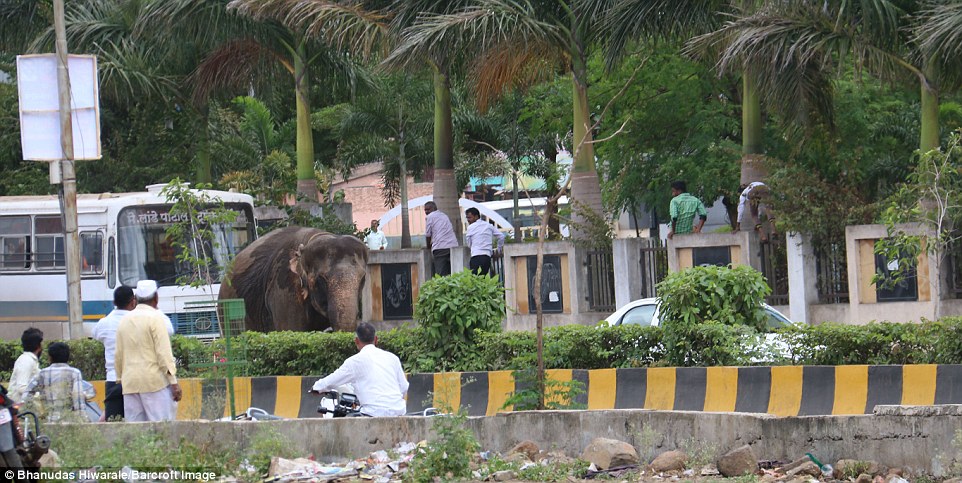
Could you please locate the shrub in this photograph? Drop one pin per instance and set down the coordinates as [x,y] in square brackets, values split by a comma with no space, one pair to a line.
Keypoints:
[448,455]
[451,310]
[730,296]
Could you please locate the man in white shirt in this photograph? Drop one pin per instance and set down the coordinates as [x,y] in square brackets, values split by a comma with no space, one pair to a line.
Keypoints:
[479,239]
[440,238]
[27,365]
[375,239]
[376,374]
[106,332]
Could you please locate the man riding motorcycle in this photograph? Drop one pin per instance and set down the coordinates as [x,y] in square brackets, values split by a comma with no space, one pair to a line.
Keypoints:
[376,375]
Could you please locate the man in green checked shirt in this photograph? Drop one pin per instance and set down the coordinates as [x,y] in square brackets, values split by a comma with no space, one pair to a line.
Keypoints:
[683,208]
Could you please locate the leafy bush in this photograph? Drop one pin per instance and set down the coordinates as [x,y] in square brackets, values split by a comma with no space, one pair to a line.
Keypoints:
[447,456]
[565,347]
[730,296]
[451,310]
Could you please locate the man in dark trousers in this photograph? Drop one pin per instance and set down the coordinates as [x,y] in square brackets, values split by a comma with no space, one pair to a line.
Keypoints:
[440,239]
[106,332]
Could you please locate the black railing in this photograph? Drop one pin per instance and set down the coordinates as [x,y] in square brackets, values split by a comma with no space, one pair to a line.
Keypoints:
[831,267]
[497,268]
[775,269]
[601,280]
[954,263]
[654,265]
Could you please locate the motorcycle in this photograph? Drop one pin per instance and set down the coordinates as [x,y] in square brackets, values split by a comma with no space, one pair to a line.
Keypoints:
[21,445]
[340,404]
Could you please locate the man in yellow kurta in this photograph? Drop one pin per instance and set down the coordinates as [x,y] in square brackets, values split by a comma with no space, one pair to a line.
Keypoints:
[144,361]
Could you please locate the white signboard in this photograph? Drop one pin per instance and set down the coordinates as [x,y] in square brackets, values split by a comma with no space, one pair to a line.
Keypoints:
[40,107]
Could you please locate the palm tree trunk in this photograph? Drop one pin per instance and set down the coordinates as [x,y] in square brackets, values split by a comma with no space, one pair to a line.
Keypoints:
[306,184]
[446,191]
[752,165]
[403,175]
[585,187]
[929,135]
[202,148]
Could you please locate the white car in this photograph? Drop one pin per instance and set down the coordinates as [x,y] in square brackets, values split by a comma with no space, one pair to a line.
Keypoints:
[645,312]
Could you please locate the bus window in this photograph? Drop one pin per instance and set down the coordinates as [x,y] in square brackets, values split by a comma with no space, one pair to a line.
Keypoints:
[14,243]
[145,252]
[48,231]
[92,252]
[111,264]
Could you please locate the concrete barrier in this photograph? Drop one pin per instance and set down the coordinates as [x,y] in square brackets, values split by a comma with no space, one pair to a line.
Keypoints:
[919,440]
[777,390]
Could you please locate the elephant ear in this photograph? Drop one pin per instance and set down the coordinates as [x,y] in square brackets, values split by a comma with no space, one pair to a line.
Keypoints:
[296,275]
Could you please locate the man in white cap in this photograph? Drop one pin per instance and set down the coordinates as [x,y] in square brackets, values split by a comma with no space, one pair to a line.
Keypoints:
[144,362]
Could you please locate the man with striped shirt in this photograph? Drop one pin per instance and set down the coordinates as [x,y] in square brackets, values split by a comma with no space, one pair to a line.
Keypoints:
[683,208]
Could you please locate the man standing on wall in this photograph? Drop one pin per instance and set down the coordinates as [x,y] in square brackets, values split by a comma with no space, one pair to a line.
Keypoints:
[106,332]
[440,239]
[479,239]
[144,361]
[375,239]
[683,208]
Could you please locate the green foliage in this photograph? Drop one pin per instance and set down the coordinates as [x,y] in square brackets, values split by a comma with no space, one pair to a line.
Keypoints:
[328,222]
[730,296]
[452,310]
[557,394]
[593,228]
[193,236]
[448,455]
[84,446]
[707,311]
[931,201]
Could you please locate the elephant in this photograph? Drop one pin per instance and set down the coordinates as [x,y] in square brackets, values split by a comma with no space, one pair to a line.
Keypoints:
[300,279]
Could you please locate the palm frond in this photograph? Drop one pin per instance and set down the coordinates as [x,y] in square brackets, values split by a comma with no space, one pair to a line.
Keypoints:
[465,32]
[939,38]
[129,73]
[344,25]
[513,65]
[232,66]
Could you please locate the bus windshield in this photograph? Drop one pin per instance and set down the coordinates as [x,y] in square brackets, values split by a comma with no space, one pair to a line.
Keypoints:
[146,253]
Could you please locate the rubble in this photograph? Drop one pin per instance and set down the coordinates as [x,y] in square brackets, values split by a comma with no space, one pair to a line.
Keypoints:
[669,461]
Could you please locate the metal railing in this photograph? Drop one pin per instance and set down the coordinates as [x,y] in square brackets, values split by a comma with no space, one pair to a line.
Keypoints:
[601,280]
[831,268]
[654,265]
[775,269]
[497,269]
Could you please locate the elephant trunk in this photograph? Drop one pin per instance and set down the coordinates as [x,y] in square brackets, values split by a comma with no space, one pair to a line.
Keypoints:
[342,309]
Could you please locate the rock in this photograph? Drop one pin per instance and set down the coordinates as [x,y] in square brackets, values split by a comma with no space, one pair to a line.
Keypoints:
[864,478]
[898,472]
[738,462]
[50,460]
[519,458]
[849,467]
[805,469]
[897,479]
[556,457]
[795,464]
[670,461]
[608,453]
[504,475]
[528,448]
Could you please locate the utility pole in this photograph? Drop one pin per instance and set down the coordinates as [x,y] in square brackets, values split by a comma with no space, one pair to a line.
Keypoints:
[68,192]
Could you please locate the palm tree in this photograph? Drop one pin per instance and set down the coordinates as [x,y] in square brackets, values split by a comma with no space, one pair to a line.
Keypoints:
[299,39]
[509,41]
[631,20]
[391,125]
[792,43]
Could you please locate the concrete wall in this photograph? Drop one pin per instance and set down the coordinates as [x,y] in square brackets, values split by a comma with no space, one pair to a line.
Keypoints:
[573,291]
[740,245]
[919,440]
[779,390]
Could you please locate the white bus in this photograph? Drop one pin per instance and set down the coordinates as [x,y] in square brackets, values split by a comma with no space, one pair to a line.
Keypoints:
[123,240]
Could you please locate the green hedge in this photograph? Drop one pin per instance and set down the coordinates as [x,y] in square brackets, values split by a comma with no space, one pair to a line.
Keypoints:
[573,346]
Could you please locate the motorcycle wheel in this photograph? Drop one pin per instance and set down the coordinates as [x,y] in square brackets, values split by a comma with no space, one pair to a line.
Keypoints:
[11,459]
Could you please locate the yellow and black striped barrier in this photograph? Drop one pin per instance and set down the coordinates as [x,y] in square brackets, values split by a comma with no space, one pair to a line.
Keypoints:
[777,390]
